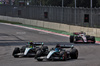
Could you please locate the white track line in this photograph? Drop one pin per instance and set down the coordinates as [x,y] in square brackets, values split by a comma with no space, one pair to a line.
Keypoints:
[36,29]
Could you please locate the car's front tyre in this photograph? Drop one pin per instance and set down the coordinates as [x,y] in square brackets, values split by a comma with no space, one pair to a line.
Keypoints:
[71,39]
[74,54]
[16,50]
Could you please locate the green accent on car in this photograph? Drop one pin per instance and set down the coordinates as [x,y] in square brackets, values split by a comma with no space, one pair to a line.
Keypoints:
[61,58]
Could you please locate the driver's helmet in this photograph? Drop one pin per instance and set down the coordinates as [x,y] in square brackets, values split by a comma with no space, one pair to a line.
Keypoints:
[57,48]
[83,33]
[31,44]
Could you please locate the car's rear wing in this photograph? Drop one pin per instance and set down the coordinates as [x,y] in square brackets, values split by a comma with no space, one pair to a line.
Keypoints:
[77,33]
[67,46]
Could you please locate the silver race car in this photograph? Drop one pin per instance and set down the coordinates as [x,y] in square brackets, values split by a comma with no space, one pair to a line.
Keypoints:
[30,50]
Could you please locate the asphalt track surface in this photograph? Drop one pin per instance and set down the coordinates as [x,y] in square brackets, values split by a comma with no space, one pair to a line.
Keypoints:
[11,37]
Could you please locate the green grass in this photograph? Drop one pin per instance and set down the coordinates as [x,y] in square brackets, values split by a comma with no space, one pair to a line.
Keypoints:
[4,21]
[47,29]
[97,39]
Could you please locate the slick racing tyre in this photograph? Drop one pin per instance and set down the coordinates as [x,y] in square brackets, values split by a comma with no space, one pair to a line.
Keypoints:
[93,39]
[16,50]
[71,39]
[44,48]
[38,53]
[74,54]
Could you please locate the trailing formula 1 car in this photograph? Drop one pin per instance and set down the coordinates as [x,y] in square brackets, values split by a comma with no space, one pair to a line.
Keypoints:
[30,50]
[81,37]
[62,54]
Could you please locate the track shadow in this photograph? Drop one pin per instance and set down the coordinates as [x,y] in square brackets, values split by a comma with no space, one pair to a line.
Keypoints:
[18,42]
[12,43]
[69,60]
[21,42]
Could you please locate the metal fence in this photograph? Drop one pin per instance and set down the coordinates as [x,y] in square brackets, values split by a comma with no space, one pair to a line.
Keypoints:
[64,15]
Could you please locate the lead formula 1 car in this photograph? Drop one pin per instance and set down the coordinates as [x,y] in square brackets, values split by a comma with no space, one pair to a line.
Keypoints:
[30,50]
[81,37]
[66,52]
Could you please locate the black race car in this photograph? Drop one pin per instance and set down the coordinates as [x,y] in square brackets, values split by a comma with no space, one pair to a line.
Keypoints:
[63,54]
[30,50]
[81,37]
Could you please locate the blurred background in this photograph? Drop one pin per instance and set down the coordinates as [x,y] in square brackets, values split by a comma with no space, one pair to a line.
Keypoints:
[72,12]
[68,3]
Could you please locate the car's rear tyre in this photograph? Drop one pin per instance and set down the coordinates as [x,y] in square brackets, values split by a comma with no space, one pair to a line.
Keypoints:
[71,39]
[38,53]
[16,50]
[74,54]
[44,48]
